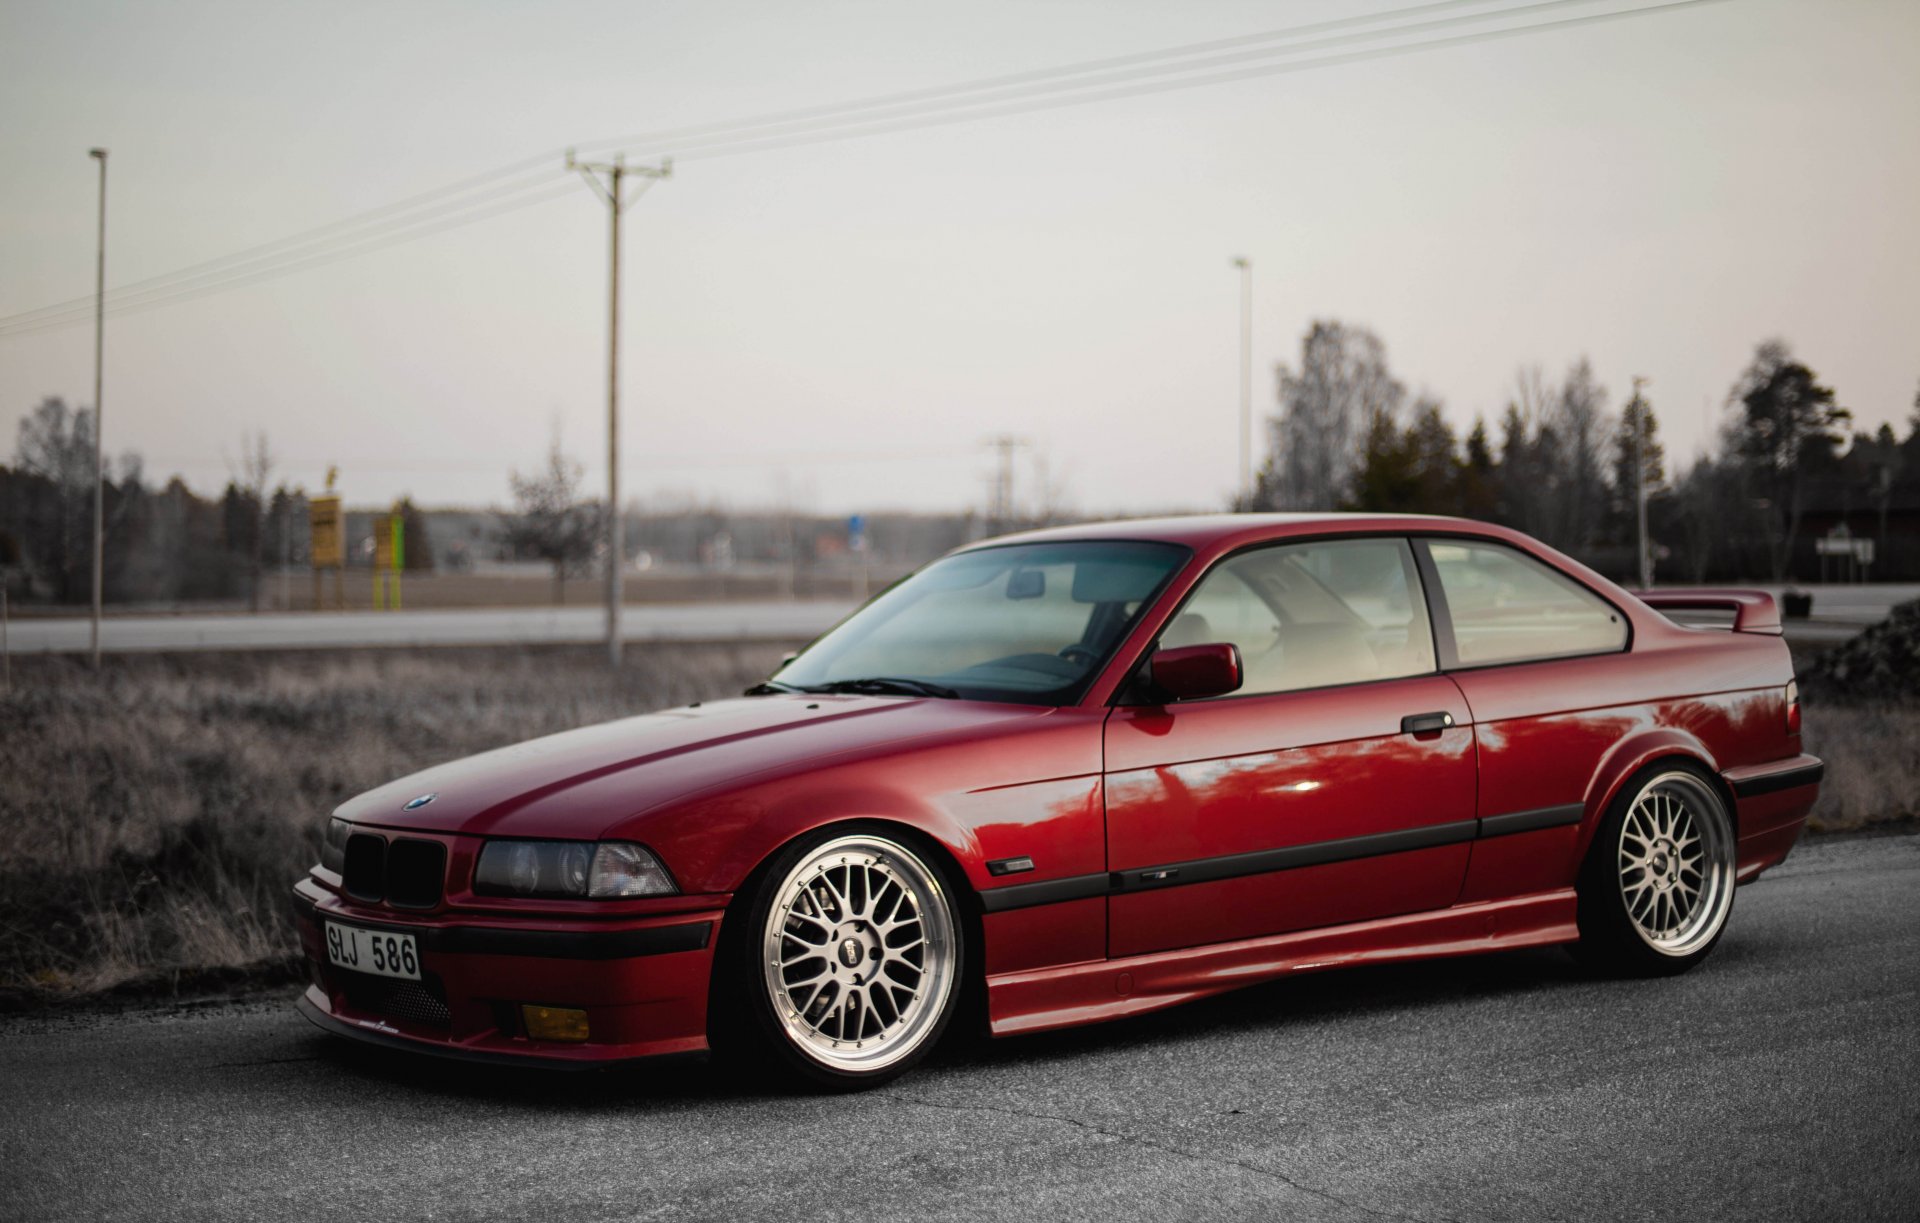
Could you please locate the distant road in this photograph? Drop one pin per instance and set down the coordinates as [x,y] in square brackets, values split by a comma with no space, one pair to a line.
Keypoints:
[1853,604]
[758,621]
[1838,613]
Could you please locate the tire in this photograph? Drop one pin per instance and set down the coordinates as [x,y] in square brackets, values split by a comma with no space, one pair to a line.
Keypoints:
[1657,885]
[845,969]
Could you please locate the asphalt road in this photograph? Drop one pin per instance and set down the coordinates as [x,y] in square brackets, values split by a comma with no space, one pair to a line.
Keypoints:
[732,621]
[1781,1080]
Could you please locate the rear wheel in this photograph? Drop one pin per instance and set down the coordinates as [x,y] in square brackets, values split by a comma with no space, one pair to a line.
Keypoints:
[1658,882]
[851,957]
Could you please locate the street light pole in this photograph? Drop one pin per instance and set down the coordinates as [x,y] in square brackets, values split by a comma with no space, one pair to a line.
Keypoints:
[613,191]
[99,352]
[1246,380]
[1639,410]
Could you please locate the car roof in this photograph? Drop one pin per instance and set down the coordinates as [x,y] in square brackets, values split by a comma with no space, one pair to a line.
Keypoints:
[1219,532]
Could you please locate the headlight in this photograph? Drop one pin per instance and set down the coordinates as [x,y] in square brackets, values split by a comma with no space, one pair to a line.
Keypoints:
[333,848]
[570,870]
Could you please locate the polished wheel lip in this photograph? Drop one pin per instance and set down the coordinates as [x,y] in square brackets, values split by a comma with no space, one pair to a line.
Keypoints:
[1675,864]
[871,930]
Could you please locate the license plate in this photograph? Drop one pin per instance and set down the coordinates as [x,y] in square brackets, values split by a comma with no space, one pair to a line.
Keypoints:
[373,951]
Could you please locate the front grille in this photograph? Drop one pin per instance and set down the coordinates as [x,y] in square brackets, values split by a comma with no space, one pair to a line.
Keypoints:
[415,870]
[365,876]
[422,1002]
[408,874]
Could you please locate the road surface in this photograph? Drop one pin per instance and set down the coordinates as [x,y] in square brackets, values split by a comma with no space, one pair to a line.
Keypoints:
[743,621]
[1780,1080]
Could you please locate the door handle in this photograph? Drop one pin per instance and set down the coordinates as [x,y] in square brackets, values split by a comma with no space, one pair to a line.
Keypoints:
[1425,723]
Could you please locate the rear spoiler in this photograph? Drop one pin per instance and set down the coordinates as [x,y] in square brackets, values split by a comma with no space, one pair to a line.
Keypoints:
[1754,611]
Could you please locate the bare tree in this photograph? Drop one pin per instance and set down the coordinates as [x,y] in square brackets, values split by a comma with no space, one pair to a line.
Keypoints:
[1700,514]
[251,472]
[550,521]
[55,442]
[1326,409]
[1579,423]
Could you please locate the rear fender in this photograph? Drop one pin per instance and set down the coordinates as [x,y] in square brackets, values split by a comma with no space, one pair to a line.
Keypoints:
[1629,756]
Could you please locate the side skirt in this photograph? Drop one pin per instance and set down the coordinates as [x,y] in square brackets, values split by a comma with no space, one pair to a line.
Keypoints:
[1042,999]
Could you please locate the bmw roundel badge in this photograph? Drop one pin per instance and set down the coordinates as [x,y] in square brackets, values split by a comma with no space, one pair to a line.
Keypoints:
[417,803]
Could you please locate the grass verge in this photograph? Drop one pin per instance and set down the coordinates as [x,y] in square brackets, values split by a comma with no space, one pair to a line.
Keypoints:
[152,817]
[1872,753]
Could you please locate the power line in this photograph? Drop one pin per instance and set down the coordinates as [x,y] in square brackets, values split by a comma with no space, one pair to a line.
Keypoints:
[993,83]
[1012,94]
[305,237]
[1218,78]
[960,107]
[241,278]
[337,230]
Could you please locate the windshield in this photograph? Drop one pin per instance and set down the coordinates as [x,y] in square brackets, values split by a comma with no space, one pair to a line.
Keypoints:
[1032,623]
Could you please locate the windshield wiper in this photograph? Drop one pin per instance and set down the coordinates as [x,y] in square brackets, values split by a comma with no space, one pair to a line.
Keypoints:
[771,687]
[888,684]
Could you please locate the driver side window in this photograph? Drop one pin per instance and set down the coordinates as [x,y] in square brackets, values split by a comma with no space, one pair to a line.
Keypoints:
[1313,615]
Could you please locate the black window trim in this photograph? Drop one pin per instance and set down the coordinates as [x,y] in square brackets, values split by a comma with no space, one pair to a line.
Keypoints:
[1136,680]
[1438,611]
[1069,697]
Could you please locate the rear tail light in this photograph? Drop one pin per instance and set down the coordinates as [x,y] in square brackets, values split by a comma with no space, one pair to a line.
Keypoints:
[1793,706]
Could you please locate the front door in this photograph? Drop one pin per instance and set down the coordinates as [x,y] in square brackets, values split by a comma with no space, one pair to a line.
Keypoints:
[1335,786]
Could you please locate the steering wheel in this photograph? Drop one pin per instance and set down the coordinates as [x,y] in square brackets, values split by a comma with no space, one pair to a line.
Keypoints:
[1078,653]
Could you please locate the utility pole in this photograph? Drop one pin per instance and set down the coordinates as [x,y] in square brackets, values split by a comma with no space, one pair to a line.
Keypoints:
[1638,409]
[99,415]
[1246,380]
[613,191]
[1000,511]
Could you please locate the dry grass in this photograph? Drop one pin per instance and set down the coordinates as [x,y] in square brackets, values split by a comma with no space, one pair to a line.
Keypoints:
[152,817]
[1872,752]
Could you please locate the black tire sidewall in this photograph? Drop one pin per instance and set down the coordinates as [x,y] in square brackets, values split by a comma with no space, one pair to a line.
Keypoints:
[1609,940]
[753,1028]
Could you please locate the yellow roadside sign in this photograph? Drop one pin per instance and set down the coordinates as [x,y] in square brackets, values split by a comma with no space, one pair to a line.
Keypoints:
[323,519]
[386,543]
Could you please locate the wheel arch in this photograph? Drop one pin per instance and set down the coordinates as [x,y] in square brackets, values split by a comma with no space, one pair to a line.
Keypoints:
[968,912]
[1634,755]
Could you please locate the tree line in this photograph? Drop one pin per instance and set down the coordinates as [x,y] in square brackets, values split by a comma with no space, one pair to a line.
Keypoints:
[1561,465]
[161,544]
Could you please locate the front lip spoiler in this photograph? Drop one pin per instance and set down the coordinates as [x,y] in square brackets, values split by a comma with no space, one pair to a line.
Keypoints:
[333,1025]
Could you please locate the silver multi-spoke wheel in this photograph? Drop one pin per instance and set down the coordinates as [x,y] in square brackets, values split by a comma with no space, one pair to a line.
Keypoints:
[859,953]
[1676,858]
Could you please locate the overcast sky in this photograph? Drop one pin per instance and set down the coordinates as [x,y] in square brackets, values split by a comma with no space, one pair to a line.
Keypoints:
[841,325]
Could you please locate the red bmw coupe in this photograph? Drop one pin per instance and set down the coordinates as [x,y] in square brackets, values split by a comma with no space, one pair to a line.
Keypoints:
[1077,774]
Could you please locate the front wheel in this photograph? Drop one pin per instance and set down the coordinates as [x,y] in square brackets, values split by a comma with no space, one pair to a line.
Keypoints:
[1658,882]
[857,959]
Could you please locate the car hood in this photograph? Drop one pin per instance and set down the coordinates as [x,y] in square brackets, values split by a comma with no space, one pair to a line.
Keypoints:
[581,783]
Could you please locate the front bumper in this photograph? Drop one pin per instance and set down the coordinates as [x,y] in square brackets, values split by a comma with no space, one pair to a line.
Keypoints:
[642,981]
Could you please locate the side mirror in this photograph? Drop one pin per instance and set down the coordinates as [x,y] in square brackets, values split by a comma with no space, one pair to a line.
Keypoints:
[1191,672]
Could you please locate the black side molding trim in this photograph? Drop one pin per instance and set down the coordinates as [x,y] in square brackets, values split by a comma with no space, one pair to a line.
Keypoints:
[1045,892]
[1319,853]
[555,944]
[1205,870]
[1785,779]
[1531,821]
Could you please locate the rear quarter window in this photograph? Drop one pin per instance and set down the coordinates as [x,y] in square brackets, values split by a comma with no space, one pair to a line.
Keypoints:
[1508,607]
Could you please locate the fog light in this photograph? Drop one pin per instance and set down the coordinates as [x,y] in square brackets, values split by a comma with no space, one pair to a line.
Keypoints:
[554,1022]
